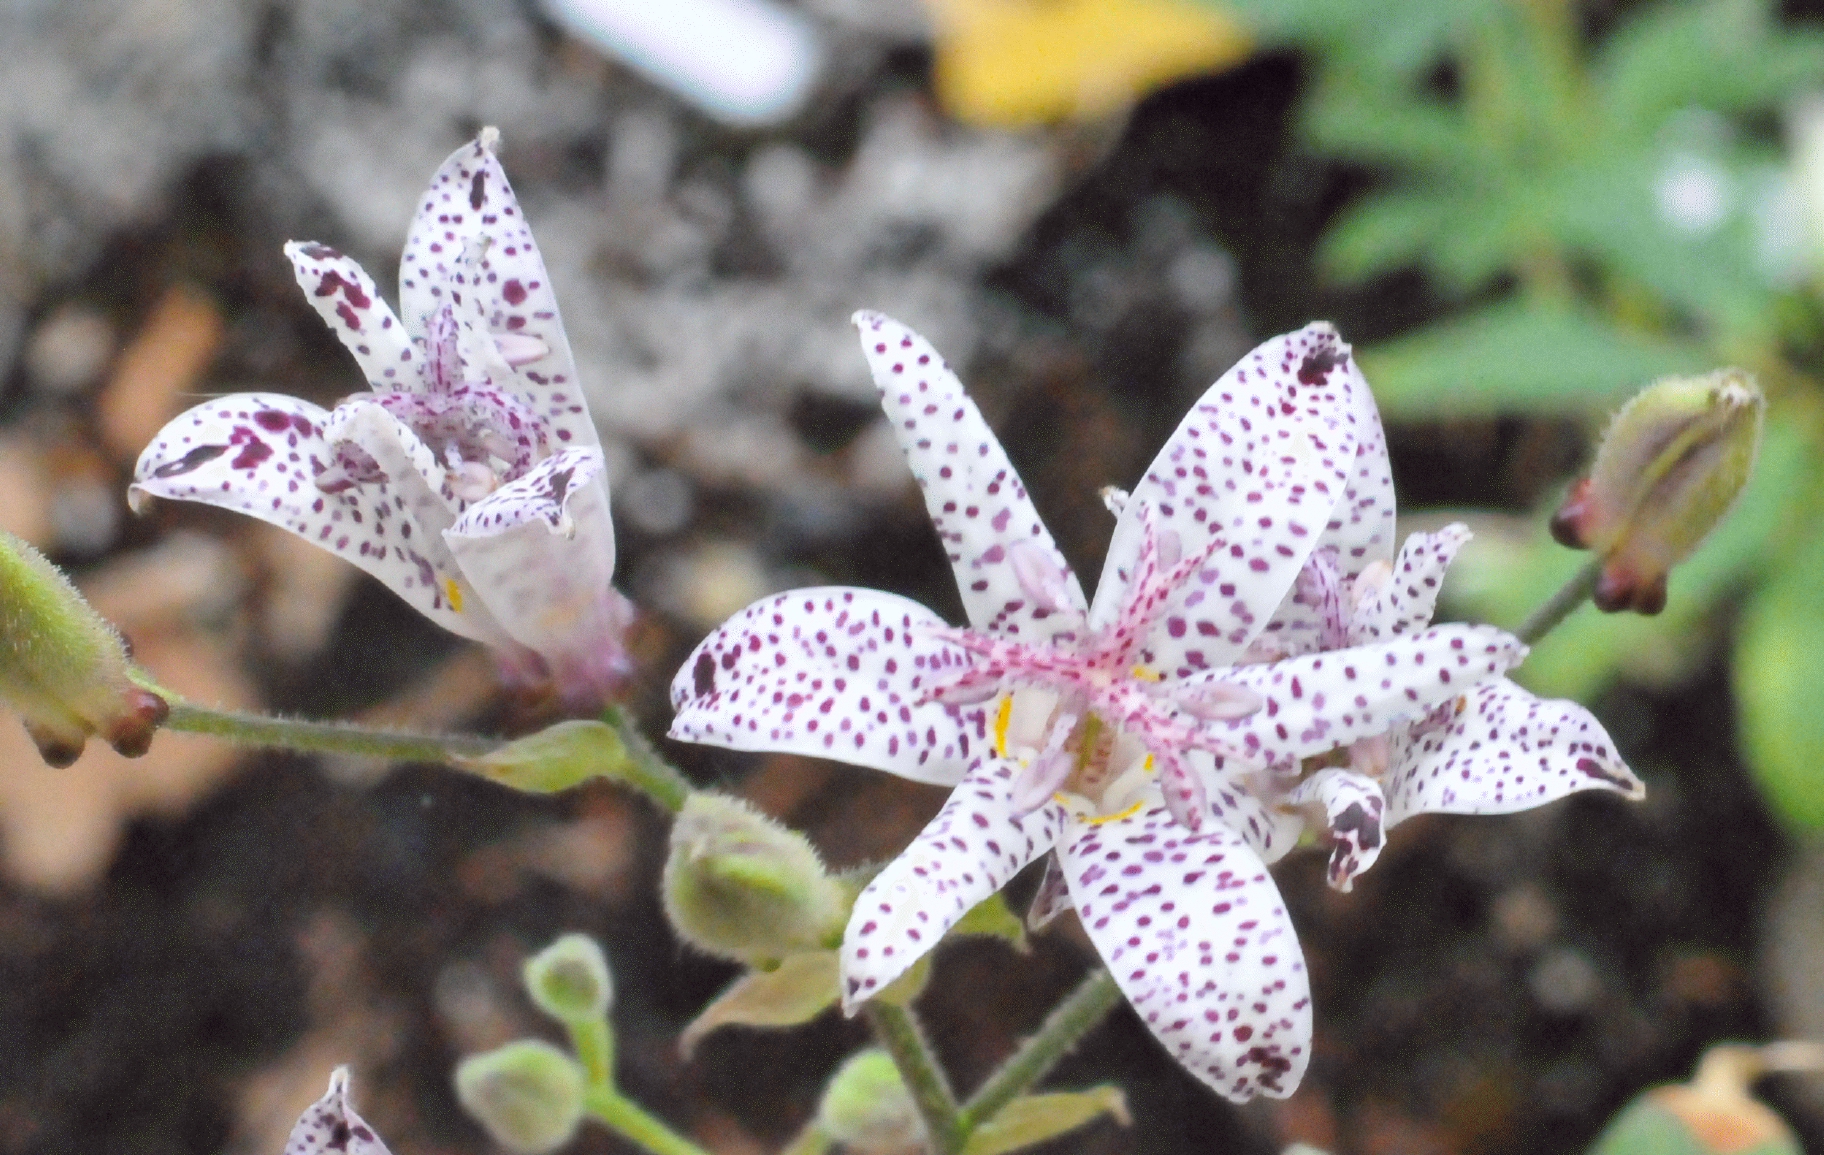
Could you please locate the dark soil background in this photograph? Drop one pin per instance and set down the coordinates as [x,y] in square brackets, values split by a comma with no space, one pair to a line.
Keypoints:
[1494,986]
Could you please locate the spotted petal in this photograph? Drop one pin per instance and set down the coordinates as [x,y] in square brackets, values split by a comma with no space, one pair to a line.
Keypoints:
[1353,806]
[345,297]
[469,230]
[1194,932]
[539,552]
[1406,598]
[977,842]
[260,454]
[1500,751]
[331,1125]
[1361,525]
[1249,479]
[976,500]
[1317,702]
[836,673]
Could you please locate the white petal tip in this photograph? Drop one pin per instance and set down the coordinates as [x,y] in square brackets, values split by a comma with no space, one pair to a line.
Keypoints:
[489,138]
[862,318]
[139,499]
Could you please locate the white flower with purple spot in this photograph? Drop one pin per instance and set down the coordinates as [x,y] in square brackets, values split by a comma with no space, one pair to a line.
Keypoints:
[1165,740]
[469,478]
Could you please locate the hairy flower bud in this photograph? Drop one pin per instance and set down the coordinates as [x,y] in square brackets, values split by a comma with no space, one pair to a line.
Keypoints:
[867,1108]
[1670,466]
[740,885]
[62,667]
[1713,1114]
[569,980]
[528,1094]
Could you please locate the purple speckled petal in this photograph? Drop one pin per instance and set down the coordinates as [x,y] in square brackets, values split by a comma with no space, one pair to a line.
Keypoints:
[1353,807]
[1244,797]
[345,297]
[1317,702]
[836,673]
[977,502]
[259,454]
[976,843]
[469,229]
[1194,932]
[1248,483]
[1361,525]
[1502,750]
[330,1126]
[1405,600]
[539,552]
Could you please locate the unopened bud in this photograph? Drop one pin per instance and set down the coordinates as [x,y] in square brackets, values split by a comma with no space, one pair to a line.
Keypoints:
[740,885]
[330,1125]
[528,1094]
[62,667]
[1713,1114]
[1670,466]
[868,1109]
[569,980]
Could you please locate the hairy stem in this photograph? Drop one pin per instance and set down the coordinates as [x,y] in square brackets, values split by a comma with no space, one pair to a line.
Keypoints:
[651,772]
[635,1124]
[251,729]
[1559,606]
[1068,1022]
[898,1032]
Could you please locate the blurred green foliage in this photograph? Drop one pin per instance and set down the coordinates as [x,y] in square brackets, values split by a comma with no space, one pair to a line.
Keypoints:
[1609,199]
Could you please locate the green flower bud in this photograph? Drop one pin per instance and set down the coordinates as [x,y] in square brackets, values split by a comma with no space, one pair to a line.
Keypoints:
[569,980]
[62,667]
[528,1094]
[868,1109]
[1670,466]
[1711,1115]
[740,885]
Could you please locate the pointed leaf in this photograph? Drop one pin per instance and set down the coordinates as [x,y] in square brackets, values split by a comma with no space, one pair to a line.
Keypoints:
[802,987]
[1033,1119]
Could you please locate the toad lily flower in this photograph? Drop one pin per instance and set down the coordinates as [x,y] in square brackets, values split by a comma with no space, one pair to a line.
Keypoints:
[469,479]
[1143,737]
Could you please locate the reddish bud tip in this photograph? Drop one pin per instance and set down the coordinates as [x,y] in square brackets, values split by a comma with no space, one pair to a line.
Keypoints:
[1568,523]
[142,713]
[1618,588]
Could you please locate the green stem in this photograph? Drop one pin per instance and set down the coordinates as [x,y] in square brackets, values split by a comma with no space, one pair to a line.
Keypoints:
[632,1122]
[1569,596]
[1068,1022]
[313,737]
[651,772]
[593,1042]
[899,1033]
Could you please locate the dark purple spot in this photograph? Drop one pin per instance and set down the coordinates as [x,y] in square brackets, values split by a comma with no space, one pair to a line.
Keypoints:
[704,674]
[514,292]
[1317,366]
[195,459]
[476,189]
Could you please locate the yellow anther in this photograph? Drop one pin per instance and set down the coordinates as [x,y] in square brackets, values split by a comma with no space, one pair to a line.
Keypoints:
[1147,766]
[1117,815]
[453,592]
[1001,718]
[1146,675]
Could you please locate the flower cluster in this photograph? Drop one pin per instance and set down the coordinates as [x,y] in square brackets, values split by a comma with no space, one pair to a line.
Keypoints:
[1256,658]
[469,479]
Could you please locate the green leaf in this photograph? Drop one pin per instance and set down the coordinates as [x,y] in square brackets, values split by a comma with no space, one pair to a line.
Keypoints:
[1727,55]
[992,917]
[1779,682]
[802,987]
[1033,1119]
[1518,357]
[1382,233]
[1363,120]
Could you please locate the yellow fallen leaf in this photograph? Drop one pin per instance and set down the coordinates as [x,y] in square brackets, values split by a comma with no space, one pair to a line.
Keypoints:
[1009,63]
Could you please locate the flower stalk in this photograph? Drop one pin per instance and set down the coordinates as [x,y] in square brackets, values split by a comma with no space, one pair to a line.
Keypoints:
[898,1031]
[1068,1022]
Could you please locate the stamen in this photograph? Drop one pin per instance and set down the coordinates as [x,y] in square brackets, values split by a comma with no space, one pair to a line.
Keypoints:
[471,480]
[1034,785]
[521,348]
[1041,578]
[1218,701]
[1371,755]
